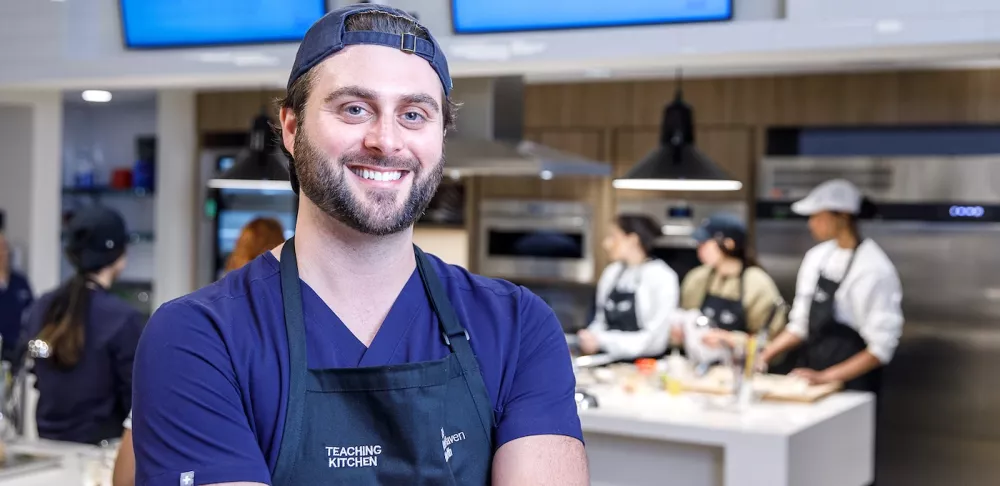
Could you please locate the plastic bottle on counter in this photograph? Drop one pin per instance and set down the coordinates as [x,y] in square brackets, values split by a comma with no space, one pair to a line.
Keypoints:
[677,371]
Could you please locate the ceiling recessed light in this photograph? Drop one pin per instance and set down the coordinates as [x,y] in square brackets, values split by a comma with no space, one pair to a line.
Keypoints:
[888,26]
[96,96]
[597,73]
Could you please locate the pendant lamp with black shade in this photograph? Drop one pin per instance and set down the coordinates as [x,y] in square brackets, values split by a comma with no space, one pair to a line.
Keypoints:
[260,165]
[676,164]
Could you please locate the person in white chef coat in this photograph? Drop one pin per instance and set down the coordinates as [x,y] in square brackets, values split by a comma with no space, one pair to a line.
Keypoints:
[636,295]
[846,312]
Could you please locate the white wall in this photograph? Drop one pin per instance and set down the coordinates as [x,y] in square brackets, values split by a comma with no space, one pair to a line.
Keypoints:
[15,177]
[30,173]
[176,196]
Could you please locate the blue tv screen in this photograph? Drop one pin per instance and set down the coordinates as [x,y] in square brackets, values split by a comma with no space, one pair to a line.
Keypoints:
[490,16]
[183,23]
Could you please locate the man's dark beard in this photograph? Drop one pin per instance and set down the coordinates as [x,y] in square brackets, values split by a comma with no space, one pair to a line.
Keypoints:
[325,184]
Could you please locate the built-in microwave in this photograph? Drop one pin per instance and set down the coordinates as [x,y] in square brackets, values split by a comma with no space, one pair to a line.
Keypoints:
[536,240]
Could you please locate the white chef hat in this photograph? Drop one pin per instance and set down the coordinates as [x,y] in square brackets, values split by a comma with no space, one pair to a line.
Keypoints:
[836,195]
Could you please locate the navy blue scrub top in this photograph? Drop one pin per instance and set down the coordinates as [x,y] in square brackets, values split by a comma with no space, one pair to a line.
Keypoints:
[15,299]
[211,371]
[89,402]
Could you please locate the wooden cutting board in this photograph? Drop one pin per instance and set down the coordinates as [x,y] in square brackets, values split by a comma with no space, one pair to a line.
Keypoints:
[718,381]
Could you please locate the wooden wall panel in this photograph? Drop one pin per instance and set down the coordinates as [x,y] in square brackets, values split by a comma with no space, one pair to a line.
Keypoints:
[814,99]
[229,111]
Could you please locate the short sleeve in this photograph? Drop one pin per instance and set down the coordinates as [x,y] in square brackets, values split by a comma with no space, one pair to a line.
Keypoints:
[542,395]
[188,411]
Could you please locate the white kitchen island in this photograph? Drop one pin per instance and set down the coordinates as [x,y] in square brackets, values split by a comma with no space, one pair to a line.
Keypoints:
[654,438]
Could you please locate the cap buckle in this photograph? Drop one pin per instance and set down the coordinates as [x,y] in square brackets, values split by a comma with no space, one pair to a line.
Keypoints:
[408,42]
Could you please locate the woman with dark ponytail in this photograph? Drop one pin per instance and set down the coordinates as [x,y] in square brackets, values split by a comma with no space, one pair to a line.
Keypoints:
[636,295]
[82,339]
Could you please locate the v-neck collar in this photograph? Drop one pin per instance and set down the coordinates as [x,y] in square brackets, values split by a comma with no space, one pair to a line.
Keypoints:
[393,328]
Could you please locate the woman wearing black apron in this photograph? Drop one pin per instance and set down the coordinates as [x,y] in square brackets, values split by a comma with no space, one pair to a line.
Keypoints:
[846,316]
[729,288]
[636,295]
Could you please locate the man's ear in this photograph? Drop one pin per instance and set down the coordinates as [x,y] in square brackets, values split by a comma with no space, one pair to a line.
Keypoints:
[289,127]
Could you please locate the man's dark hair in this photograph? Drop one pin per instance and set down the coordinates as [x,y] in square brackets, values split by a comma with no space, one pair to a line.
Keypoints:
[297,94]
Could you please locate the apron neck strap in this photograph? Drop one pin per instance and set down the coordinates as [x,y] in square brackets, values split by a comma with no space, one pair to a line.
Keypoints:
[711,276]
[850,262]
[450,326]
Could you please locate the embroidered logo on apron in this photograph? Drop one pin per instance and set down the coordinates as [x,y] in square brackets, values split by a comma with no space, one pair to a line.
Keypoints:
[448,440]
[820,296]
[354,456]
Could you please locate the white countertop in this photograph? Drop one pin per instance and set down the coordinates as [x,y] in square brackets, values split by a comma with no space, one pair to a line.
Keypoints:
[703,440]
[703,419]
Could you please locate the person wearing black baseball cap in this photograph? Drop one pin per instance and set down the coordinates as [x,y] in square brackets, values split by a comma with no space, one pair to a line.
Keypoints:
[729,288]
[348,355]
[82,339]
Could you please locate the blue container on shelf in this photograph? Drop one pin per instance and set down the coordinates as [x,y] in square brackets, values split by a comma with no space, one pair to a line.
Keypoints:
[142,175]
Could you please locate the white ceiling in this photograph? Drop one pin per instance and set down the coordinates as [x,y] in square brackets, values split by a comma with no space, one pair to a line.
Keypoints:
[76,44]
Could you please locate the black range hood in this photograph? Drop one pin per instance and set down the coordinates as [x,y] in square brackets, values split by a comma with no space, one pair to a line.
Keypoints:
[259,166]
[677,165]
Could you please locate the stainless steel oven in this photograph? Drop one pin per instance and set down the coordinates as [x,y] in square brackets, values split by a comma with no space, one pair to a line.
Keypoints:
[678,220]
[536,240]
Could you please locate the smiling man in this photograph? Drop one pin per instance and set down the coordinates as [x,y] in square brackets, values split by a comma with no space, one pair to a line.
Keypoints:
[348,356]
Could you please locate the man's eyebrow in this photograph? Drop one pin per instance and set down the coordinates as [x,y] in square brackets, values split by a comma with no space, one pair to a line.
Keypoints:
[351,91]
[421,99]
[370,95]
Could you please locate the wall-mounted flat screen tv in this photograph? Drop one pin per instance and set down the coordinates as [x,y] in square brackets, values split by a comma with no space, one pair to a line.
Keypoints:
[493,16]
[148,24]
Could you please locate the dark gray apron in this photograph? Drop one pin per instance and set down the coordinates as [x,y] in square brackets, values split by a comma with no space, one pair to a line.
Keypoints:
[832,342]
[427,423]
[728,314]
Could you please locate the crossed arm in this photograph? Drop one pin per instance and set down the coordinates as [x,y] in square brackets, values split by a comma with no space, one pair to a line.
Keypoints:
[540,460]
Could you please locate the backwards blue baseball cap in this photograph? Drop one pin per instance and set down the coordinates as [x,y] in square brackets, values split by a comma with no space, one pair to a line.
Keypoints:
[721,226]
[329,35]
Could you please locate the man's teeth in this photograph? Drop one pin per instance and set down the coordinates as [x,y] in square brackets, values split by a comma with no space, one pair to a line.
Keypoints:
[377,175]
